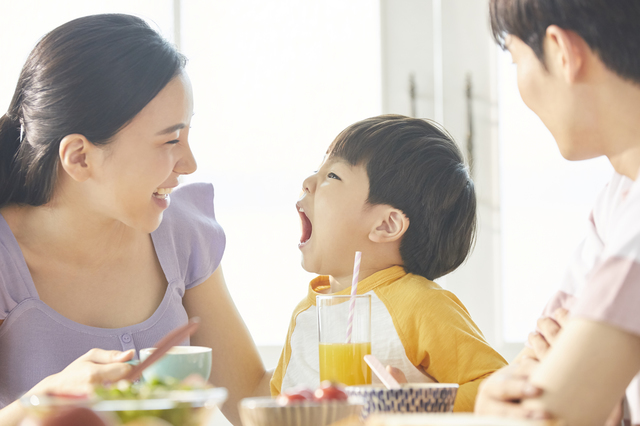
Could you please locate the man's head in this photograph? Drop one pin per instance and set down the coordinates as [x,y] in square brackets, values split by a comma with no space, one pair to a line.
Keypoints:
[611,29]
[389,181]
[578,66]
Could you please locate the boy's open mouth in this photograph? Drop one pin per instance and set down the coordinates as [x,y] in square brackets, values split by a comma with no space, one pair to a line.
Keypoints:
[306,227]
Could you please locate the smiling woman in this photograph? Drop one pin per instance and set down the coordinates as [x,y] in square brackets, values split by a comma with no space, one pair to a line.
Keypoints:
[95,263]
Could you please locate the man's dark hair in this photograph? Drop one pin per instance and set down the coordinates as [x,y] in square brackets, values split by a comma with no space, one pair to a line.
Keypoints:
[611,28]
[415,166]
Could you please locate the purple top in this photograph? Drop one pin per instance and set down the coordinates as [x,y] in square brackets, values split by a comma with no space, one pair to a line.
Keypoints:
[36,341]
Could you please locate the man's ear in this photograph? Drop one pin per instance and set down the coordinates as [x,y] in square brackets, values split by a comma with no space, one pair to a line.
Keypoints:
[565,51]
[76,156]
[392,226]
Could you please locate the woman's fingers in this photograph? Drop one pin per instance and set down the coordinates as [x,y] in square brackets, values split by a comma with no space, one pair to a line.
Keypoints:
[100,356]
[106,366]
[109,373]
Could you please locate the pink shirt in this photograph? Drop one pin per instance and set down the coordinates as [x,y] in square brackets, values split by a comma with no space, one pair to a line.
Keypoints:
[602,282]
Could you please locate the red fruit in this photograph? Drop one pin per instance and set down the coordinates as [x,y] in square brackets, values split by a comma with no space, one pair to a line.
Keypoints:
[330,392]
[295,396]
[307,393]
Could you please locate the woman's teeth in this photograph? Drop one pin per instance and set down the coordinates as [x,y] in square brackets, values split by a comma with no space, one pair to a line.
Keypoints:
[162,193]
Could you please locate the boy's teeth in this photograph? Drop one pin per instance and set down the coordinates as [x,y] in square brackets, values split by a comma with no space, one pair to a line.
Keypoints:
[300,209]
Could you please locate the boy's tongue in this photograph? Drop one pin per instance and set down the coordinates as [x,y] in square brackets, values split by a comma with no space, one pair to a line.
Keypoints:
[306,226]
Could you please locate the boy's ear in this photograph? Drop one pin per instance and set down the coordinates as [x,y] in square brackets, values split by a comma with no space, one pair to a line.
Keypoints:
[76,156]
[391,228]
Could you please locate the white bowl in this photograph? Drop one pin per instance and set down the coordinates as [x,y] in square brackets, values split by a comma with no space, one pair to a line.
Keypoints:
[267,412]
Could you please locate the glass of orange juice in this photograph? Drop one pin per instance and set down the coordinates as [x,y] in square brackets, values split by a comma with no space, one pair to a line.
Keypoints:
[342,353]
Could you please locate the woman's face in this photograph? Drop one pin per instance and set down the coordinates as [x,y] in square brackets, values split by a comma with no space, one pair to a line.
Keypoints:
[134,177]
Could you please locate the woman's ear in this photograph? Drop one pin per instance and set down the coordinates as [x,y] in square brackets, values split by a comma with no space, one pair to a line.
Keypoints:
[76,156]
[392,226]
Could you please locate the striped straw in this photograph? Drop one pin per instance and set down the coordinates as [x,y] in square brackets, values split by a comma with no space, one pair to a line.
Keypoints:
[354,291]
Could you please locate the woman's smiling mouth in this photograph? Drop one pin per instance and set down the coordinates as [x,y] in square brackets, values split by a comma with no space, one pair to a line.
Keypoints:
[306,227]
[162,193]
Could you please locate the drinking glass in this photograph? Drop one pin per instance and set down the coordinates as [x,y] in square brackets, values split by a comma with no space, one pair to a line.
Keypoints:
[342,354]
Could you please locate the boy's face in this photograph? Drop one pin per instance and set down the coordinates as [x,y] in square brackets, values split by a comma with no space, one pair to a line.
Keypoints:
[336,218]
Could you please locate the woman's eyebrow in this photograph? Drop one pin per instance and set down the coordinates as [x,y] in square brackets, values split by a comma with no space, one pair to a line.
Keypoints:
[172,129]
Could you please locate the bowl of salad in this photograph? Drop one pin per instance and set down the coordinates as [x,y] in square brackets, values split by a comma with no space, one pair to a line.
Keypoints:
[165,402]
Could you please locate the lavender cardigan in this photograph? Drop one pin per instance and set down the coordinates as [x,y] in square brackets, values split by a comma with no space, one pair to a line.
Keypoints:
[36,341]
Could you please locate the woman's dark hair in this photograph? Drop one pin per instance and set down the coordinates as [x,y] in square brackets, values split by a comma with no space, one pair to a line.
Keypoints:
[415,166]
[89,76]
[611,28]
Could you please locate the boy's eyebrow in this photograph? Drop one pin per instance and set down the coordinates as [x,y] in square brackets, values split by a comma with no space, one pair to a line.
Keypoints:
[336,159]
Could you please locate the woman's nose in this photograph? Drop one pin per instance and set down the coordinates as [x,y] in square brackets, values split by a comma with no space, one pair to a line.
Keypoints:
[187,163]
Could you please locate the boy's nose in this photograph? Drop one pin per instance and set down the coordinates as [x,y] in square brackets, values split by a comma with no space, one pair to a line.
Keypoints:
[308,185]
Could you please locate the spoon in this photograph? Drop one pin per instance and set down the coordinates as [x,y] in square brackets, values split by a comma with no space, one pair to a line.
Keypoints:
[167,342]
[385,377]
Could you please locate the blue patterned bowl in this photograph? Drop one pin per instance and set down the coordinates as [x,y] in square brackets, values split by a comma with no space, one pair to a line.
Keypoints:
[411,398]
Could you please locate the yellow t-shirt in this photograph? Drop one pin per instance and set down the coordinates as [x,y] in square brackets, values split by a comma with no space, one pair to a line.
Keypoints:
[415,325]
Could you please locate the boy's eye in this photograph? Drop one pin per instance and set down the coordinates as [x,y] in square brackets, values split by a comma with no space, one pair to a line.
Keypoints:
[173,141]
[332,175]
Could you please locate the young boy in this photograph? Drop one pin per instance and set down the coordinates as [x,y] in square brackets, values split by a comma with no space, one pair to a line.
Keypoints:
[396,189]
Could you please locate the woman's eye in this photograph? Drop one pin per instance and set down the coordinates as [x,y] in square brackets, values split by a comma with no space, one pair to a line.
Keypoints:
[332,175]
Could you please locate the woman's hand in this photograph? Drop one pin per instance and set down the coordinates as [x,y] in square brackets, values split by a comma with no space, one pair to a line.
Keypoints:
[92,369]
[237,365]
[501,393]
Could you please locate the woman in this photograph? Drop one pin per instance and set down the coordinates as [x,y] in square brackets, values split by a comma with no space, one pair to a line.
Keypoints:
[92,254]
[579,71]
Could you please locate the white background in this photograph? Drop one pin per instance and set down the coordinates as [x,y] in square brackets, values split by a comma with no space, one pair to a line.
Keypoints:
[274,82]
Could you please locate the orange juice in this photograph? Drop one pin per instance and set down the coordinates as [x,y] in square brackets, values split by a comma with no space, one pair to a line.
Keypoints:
[344,363]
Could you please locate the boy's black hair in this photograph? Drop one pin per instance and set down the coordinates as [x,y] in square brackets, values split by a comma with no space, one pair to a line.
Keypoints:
[415,166]
[611,28]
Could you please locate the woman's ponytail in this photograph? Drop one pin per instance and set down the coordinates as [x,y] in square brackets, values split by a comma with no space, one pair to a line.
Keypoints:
[9,145]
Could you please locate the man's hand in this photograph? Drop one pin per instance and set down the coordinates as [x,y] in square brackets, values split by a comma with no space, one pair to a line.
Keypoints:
[501,393]
[549,329]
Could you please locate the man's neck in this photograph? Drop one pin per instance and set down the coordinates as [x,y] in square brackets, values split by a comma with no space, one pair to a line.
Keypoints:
[619,123]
